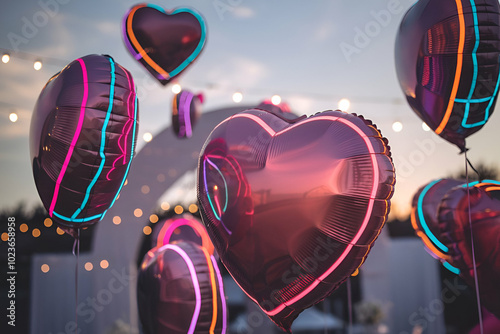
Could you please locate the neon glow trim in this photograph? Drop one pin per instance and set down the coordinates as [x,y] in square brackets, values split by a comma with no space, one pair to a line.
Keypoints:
[222,297]
[168,229]
[214,290]
[78,220]
[373,194]
[219,218]
[196,284]
[75,137]
[469,100]
[126,128]
[448,266]
[132,148]
[458,70]
[471,184]
[187,115]
[103,140]
[129,34]
[420,212]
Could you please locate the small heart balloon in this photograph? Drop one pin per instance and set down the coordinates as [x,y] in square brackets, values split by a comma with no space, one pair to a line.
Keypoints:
[293,206]
[447,62]
[186,110]
[165,43]
[424,218]
[456,234]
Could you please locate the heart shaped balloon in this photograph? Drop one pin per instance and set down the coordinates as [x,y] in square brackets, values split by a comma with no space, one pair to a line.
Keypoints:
[447,61]
[186,110]
[456,234]
[165,43]
[424,218]
[293,206]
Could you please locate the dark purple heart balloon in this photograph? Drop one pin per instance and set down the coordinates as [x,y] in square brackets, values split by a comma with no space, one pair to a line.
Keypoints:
[82,139]
[180,290]
[447,61]
[456,234]
[186,110]
[165,43]
[293,206]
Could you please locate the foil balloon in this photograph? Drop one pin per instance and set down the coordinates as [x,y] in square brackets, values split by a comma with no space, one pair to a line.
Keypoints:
[186,110]
[456,234]
[182,228]
[424,218]
[82,139]
[180,290]
[447,62]
[164,42]
[293,206]
[281,107]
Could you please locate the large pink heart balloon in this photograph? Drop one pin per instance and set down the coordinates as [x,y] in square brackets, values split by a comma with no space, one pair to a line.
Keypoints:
[293,206]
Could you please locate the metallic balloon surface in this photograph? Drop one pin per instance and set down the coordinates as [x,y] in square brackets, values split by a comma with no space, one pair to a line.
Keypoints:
[281,107]
[164,42]
[424,218]
[182,228]
[186,110]
[180,290]
[293,206]
[456,233]
[447,62]
[82,139]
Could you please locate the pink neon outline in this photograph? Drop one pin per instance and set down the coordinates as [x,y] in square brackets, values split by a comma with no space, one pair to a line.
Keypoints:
[196,284]
[368,211]
[177,223]
[222,297]
[187,116]
[129,123]
[75,137]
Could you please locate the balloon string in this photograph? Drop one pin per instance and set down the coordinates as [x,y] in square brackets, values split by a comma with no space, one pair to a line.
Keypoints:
[76,246]
[325,311]
[349,303]
[472,244]
[471,166]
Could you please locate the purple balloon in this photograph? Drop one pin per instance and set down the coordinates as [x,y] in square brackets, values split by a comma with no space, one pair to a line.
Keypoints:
[180,290]
[164,42]
[186,110]
[293,206]
[456,234]
[447,61]
[82,139]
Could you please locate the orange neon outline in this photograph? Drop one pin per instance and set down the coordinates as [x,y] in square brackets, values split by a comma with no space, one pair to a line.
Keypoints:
[424,237]
[214,290]
[139,48]
[458,71]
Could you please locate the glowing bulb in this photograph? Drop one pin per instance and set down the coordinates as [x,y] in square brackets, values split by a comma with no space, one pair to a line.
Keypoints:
[23,228]
[344,105]
[138,212]
[37,65]
[89,266]
[237,97]
[36,233]
[47,222]
[425,127]
[193,208]
[165,206]
[153,219]
[117,220]
[397,126]
[178,209]
[45,268]
[176,88]
[276,99]
[5,58]
[147,137]
[104,264]
[147,230]
[13,117]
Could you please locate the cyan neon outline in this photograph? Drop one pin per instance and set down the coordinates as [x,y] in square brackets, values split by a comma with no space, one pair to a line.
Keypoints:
[448,266]
[103,141]
[471,184]
[158,8]
[78,220]
[469,100]
[206,187]
[427,231]
[198,49]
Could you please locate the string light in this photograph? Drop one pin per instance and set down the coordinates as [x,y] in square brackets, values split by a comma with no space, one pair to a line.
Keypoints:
[276,99]
[425,127]
[37,65]
[147,230]
[89,266]
[138,212]
[178,209]
[397,126]
[176,88]
[344,105]
[45,268]
[13,117]
[5,58]
[147,137]
[117,220]
[237,97]
[104,264]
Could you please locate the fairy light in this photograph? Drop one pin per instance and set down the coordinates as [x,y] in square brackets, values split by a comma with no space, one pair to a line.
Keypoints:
[176,88]
[13,117]
[276,99]
[344,105]
[147,137]
[5,58]
[237,97]
[37,65]
[89,266]
[104,264]
[178,209]
[45,268]
[397,126]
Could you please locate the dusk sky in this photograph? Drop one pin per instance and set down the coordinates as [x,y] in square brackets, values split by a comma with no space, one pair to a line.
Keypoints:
[311,53]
